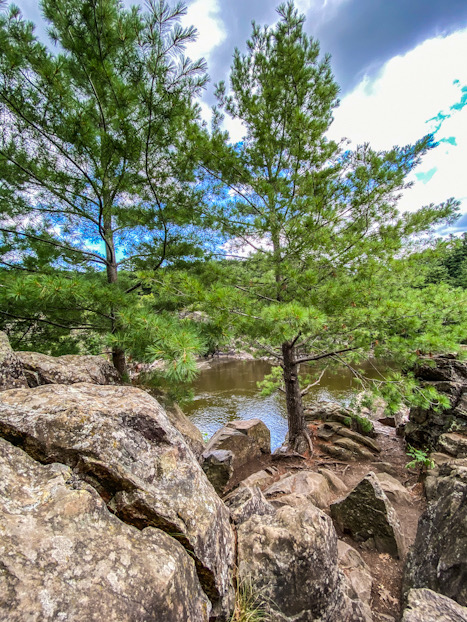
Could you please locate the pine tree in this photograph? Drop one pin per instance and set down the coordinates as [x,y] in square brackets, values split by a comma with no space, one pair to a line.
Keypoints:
[96,161]
[324,278]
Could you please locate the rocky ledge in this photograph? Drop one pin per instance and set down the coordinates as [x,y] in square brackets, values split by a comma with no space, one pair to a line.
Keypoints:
[106,513]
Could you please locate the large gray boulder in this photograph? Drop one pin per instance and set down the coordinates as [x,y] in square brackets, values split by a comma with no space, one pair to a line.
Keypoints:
[453,444]
[246,501]
[290,559]
[313,486]
[359,579]
[64,556]
[11,368]
[120,440]
[438,559]
[427,606]
[67,369]
[368,516]
[187,429]
[245,440]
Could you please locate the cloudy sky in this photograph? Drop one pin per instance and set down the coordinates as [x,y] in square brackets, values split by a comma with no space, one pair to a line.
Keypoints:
[401,66]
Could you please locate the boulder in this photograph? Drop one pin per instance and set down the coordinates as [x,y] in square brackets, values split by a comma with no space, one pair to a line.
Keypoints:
[448,376]
[393,489]
[335,483]
[120,440]
[311,485]
[246,440]
[64,556]
[368,516]
[356,450]
[428,606]
[338,452]
[453,444]
[359,579]
[438,558]
[330,429]
[260,478]
[442,368]
[68,369]
[290,559]
[187,429]
[328,411]
[11,368]
[218,467]
[246,501]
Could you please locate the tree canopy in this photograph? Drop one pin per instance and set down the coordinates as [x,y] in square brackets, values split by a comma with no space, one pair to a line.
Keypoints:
[97,163]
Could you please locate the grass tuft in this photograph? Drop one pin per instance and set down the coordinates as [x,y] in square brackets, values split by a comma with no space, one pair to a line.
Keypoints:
[249,607]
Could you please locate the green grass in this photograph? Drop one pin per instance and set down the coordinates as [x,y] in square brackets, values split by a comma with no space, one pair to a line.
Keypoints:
[248,605]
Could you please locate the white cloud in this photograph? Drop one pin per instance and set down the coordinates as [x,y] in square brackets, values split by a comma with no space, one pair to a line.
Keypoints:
[396,108]
[205,16]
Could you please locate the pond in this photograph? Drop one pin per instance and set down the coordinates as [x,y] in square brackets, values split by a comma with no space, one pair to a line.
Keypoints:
[227,391]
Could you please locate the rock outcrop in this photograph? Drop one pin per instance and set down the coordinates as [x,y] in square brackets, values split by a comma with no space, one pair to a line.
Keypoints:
[64,556]
[68,369]
[187,429]
[245,501]
[312,486]
[358,575]
[11,368]
[438,559]
[428,606]
[120,441]
[449,377]
[243,440]
[368,516]
[290,559]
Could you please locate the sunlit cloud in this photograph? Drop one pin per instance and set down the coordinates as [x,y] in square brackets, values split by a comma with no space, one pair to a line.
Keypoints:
[205,16]
[415,94]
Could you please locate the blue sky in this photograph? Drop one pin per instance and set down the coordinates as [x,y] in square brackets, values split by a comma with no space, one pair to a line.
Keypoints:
[401,65]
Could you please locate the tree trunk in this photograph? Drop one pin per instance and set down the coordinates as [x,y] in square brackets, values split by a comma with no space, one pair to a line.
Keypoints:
[293,396]
[118,355]
[119,361]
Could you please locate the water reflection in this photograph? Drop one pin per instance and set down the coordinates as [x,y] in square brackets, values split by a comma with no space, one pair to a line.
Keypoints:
[227,391]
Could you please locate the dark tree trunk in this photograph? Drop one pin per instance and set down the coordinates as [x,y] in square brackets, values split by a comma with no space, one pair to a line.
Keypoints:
[118,355]
[119,361]
[293,396]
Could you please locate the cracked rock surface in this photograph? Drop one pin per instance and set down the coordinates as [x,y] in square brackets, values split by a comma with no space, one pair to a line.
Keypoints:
[64,556]
[120,441]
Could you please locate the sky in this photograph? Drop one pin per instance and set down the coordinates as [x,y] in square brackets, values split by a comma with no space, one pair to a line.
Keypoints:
[401,66]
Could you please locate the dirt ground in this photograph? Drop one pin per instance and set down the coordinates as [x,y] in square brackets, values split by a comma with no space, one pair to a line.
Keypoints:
[386,571]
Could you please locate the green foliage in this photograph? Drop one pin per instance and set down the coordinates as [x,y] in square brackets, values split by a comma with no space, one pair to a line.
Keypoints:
[398,389]
[362,425]
[450,263]
[271,382]
[330,268]
[420,461]
[97,167]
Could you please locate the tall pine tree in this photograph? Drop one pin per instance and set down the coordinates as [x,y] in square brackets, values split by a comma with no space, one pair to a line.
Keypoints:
[324,280]
[96,161]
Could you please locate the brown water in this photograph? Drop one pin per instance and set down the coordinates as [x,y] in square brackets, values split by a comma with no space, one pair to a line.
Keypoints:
[227,391]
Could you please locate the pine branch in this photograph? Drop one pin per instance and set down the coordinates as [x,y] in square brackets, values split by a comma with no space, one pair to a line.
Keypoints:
[38,319]
[95,257]
[317,357]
